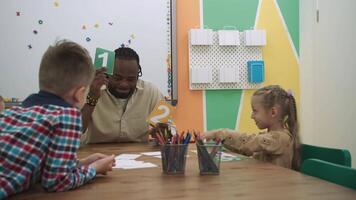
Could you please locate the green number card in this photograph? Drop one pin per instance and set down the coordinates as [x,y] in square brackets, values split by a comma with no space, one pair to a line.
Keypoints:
[104,58]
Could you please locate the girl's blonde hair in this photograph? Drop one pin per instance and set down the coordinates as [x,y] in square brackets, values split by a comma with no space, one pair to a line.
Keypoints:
[275,95]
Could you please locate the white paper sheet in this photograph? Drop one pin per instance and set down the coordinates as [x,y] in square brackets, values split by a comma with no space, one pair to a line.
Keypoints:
[127,161]
[125,156]
[153,153]
[132,164]
[225,156]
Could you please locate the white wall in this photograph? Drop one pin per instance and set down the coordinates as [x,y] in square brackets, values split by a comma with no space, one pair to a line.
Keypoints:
[146,20]
[328,73]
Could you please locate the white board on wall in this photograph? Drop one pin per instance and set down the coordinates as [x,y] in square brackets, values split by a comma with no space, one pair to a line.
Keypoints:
[144,25]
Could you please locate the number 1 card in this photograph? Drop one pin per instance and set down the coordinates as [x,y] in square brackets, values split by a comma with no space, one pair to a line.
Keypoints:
[104,58]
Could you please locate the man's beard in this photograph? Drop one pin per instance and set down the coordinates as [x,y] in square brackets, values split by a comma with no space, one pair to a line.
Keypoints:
[118,94]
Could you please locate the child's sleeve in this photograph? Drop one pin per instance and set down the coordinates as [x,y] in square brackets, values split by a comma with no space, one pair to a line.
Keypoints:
[272,143]
[60,171]
[223,133]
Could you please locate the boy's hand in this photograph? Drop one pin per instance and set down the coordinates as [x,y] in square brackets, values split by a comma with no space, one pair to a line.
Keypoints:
[100,79]
[102,166]
[92,158]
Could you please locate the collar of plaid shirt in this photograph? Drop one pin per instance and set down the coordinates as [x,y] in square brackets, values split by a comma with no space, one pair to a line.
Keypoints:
[44,98]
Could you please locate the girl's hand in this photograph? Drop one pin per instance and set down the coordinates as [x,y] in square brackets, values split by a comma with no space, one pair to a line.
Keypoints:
[102,166]
[219,133]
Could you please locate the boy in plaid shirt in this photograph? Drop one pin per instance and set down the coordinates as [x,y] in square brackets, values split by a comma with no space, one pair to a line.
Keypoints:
[39,142]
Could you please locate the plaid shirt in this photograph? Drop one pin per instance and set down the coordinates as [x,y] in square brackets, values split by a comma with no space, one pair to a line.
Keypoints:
[39,143]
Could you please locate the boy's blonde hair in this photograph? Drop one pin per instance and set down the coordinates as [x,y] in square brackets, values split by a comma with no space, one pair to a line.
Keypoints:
[64,66]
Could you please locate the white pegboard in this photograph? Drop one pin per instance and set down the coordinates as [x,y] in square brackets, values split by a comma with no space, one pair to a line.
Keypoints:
[216,56]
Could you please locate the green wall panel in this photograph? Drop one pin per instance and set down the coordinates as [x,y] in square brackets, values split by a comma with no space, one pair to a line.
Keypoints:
[290,12]
[237,13]
[222,106]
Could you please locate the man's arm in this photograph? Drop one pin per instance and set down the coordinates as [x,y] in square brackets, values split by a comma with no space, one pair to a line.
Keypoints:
[86,115]
[94,94]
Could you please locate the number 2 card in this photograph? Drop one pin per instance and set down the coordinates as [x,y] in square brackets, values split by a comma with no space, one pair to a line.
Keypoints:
[162,113]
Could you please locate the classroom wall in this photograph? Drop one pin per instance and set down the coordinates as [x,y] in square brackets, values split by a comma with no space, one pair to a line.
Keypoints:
[189,110]
[211,109]
[323,78]
[328,69]
[105,24]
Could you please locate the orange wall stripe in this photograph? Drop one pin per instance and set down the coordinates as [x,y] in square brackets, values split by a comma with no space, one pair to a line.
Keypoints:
[189,110]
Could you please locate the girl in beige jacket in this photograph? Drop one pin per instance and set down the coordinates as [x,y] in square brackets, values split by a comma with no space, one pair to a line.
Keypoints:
[273,109]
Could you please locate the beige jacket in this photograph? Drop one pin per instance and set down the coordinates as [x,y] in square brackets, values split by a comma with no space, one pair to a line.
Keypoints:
[274,146]
[122,120]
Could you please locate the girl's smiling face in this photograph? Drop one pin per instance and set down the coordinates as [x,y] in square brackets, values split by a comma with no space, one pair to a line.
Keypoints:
[260,114]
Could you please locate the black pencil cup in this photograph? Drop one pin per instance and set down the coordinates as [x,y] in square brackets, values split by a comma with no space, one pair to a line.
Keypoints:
[209,157]
[173,158]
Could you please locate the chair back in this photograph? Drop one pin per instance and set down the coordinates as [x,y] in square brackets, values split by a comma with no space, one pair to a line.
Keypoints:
[331,172]
[333,155]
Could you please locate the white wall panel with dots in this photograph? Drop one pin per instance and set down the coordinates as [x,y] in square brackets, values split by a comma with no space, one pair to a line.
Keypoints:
[215,56]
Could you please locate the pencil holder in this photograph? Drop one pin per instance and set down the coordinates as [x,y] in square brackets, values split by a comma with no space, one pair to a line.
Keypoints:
[209,157]
[173,158]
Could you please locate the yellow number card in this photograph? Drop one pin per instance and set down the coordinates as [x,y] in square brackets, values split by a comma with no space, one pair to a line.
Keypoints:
[162,113]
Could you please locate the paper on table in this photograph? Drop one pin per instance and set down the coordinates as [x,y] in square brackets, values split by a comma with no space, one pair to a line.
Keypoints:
[156,154]
[125,156]
[228,157]
[127,161]
[153,153]
[133,164]
[225,156]
[225,159]
[160,156]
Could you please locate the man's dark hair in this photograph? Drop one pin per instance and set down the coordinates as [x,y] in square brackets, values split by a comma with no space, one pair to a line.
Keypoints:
[127,53]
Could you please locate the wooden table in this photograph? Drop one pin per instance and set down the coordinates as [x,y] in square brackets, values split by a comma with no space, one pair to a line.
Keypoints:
[244,179]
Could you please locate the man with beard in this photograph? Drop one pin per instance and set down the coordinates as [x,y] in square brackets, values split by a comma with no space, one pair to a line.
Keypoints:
[118,113]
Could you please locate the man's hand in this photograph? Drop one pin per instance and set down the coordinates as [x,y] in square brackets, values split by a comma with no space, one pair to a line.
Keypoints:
[100,79]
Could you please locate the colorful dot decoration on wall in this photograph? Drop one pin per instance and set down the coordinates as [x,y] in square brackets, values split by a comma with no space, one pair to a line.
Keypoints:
[56,3]
[129,41]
